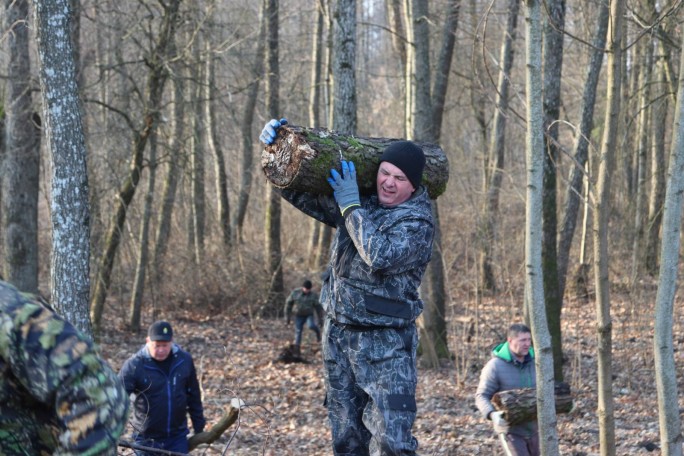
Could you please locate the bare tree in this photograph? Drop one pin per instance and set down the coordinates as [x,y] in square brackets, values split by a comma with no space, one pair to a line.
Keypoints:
[581,148]
[657,190]
[344,67]
[247,156]
[600,232]
[553,64]
[175,164]
[21,165]
[663,349]
[534,280]
[497,152]
[197,227]
[70,280]
[158,74]
[434,316]
[273,249]
[643,137]
[214,140]
[135,307]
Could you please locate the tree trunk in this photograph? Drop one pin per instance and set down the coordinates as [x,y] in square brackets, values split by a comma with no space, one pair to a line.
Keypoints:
[301,159]
[643,136]
[553,64]
[496,154]
[247,157]
[157,61]
[135,308]
[663,349]
[197,160]
[214,141]
[600,229]
[657,191]
[520,405]
[548,435]
[344,66]
[175,164]
[446,56]
[21,165]
[323,252]
[317,46]
[273,250]
[577,175]
[70,216]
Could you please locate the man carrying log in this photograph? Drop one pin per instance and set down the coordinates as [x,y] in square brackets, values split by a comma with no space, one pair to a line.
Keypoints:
[511,367]
[379,253]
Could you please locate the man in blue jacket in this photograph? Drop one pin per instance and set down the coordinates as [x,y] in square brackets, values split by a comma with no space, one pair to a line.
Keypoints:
[162,379]
[379,254]
[511,367]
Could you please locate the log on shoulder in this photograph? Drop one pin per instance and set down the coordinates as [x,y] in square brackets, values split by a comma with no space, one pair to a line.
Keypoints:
[520,405]
[301,158]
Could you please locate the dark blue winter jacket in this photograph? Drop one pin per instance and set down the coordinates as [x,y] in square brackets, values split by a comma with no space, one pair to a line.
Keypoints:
[162,401]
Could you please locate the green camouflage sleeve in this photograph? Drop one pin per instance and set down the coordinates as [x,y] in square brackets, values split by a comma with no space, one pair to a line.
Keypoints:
[58,367]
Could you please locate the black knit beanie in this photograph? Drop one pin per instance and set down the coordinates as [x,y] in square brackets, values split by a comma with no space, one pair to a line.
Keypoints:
[307,284]
[408,157]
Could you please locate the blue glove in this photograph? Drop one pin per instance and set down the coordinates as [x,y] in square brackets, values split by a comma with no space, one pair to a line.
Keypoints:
[346,190]
[268,134]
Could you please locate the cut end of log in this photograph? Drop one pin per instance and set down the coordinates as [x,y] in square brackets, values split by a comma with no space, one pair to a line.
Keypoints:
[282,160]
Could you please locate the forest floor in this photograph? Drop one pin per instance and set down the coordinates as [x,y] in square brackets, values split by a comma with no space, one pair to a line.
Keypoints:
[284,414]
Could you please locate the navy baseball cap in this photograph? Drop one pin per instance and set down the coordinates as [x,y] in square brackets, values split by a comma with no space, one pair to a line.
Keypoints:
[160,330]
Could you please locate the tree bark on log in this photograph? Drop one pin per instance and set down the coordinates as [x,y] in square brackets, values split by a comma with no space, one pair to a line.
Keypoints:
[301,158]
[520,405]
[216,430]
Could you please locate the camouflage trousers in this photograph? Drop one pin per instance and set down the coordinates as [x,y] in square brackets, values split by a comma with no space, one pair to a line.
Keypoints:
[371,386]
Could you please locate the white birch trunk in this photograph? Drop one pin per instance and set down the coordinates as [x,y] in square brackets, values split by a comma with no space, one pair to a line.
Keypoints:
[546,407]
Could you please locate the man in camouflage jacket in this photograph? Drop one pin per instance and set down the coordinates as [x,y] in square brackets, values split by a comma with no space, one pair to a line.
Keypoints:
[304,302]
[379,254]
[57,396]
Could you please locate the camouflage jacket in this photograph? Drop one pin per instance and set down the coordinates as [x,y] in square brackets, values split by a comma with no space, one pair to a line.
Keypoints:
[303,304]
[57,396]
[377,260]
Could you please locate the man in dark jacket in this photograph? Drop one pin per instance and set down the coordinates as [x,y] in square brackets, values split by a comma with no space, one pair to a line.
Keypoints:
[57,395]
[165,389]
[511,367]
[379,254]
[304,303]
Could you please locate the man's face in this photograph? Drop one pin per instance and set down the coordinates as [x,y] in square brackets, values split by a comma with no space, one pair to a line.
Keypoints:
[159,349]
[520,344]
[393,186]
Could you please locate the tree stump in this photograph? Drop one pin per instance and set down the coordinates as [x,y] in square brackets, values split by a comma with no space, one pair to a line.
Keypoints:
[301,158]
[520,405]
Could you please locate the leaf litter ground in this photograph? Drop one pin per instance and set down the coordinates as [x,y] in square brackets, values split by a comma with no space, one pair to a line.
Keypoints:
[284,414]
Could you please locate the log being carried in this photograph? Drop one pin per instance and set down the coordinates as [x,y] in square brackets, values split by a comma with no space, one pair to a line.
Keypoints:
[301,158]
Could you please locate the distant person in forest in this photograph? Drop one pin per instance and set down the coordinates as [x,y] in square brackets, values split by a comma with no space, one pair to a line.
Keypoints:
[57,395]
[511,367]
[163,381]
[378,256]
[303,302]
